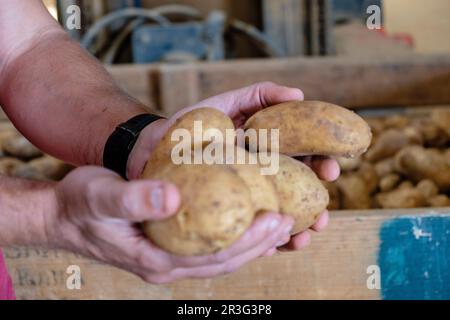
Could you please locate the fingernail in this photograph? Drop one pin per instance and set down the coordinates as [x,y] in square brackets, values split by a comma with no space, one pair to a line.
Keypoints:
[280,243]
[288,229]
[157,198]
[274,224]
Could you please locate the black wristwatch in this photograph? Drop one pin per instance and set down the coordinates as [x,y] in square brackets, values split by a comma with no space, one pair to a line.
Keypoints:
[122,140]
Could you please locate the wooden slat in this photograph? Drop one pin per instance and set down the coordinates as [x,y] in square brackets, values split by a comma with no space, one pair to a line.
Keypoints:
[333,267]
[283,23]
[349,81]
[138,81]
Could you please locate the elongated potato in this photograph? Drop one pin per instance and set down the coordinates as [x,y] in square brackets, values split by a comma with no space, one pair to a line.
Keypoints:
[301,194]
[314,127]
[215,211]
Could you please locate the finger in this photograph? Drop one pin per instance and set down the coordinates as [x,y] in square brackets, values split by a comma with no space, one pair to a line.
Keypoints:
[135,201]
[234,263]
[326,168]
[263,229]
[297,242]
[270,252]
[321,222]
[306,160]
[250,99]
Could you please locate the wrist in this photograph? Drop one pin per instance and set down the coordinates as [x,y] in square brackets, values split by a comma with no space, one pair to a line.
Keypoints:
[49,221]
[28,213]
[145,144]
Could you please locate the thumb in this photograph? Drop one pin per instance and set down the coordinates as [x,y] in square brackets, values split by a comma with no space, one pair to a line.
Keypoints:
[136,200]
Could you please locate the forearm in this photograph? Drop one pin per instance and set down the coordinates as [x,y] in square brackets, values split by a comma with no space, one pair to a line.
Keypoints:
[61,98]
[24,210]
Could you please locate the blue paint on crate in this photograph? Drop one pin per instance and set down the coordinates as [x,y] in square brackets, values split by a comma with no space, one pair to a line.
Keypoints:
[414,258]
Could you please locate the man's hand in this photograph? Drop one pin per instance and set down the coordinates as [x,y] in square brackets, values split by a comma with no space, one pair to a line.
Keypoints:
[239,105]
[98,215]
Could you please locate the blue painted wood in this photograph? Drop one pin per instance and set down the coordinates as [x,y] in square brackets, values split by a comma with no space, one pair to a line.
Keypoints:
[414,258]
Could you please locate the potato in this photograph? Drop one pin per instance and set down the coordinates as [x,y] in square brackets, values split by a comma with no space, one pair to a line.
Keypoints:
[20,147]
[215,211]
[43,168]
[301,194]
[262,189]
[418,163]
[208,117]
[439,201]
[377,125]
[354,192]
[388,144]
[7,165]
[348,164]
[369,175]
[441,117]
[219,201]
[333,191]
[389,182]
[401,198]
[314,127]
[428,188]
[385,167]
[396,121]
[433,135]
[6,135]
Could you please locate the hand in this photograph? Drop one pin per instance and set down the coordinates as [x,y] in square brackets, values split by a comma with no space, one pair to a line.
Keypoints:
[239,105]
[98,215]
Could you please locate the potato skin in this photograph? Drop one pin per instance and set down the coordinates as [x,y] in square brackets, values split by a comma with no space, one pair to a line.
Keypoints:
[301,194]
[20,147]
[8,165]
[262,189]
[314,127]
[210,119]
[216,209]
[418,163]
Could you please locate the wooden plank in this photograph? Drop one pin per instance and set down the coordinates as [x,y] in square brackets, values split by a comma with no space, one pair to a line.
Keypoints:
[349,81]
[283,23]
[177,89]
[334,266]
[355,39]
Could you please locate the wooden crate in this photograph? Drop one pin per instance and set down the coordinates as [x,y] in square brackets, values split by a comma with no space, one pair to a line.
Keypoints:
[409,248]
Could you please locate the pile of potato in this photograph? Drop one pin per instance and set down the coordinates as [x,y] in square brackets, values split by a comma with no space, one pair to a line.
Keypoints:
[220,201]
[19,158]
[407,165]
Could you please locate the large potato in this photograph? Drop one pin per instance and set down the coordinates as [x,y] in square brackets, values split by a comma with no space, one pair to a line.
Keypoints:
[216,209]
[301,194]
[314,127]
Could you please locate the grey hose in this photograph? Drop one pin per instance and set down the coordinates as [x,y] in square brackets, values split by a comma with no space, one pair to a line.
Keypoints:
[158,11]
[265,43]
[87,39]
